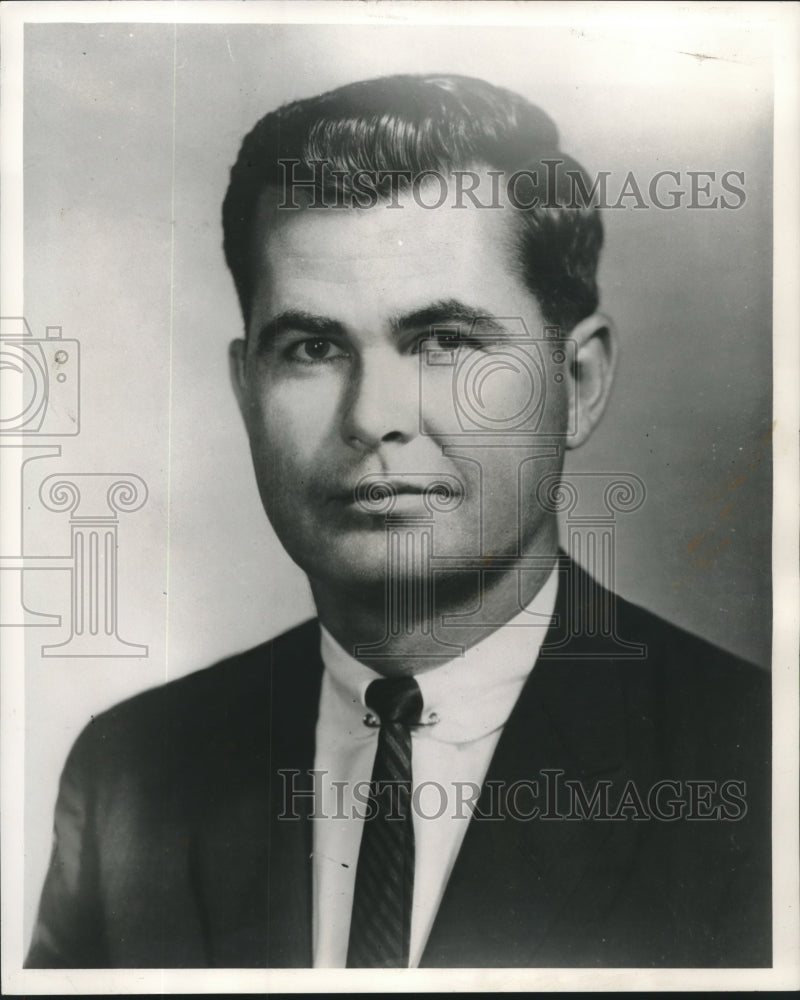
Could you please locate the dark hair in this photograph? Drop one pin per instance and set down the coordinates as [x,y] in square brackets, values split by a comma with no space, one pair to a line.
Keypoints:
[423,123]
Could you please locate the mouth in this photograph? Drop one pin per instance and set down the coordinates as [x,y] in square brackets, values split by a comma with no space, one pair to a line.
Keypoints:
[383,486]
[380,493]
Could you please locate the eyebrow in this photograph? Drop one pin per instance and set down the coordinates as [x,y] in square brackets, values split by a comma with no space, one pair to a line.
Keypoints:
[439,313]
[445,311]
[302,322]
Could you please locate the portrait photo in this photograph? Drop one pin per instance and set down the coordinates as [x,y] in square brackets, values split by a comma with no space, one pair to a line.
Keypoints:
[399,525]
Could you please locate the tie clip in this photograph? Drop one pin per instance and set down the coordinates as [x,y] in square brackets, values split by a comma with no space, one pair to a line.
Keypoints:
[373,722]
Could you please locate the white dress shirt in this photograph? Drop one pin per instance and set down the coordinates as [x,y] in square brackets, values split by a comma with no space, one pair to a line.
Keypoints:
[466,703]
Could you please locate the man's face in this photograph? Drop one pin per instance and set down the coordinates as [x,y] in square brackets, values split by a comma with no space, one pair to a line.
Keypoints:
[331,387]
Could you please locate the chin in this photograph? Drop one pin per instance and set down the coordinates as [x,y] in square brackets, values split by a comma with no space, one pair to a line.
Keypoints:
[354,561]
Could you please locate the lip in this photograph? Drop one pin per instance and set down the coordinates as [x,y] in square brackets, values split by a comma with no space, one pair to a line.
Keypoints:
[351,495]
[414,494]
[398,487]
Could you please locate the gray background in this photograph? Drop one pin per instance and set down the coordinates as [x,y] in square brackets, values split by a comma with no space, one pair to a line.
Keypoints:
[129,134]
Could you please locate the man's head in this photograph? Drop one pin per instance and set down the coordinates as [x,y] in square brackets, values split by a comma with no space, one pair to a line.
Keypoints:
[342,294]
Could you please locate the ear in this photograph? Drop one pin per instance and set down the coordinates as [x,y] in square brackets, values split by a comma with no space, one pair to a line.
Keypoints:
[237,352]
[592,374]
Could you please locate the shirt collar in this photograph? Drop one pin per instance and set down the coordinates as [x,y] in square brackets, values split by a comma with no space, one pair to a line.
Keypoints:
[465,698]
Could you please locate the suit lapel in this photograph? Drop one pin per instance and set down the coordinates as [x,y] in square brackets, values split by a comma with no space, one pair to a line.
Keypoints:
[295,706]
[513,877]
[252,858]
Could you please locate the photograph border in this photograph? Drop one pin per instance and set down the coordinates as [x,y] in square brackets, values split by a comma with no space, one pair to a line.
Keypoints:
[783,20]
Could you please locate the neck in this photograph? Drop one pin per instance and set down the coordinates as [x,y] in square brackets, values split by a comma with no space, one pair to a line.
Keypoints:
[359,617]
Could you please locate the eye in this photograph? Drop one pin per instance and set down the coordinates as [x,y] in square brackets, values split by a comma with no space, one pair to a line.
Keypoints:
[315,350]
[448,341]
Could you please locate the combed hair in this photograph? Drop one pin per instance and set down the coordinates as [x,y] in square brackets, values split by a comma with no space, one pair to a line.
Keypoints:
[422,123]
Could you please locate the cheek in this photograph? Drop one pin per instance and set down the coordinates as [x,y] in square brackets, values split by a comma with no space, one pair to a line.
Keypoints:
[522,394]
[554,404]
[290,420]
[507,395]
[502,391]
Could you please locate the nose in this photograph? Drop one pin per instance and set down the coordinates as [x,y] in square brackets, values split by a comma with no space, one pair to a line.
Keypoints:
[382,404]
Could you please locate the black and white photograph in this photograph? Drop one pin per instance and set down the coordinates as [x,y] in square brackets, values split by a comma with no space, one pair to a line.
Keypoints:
[399,486]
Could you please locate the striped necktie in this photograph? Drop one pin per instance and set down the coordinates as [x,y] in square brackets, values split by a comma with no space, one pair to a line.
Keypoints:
[380,928]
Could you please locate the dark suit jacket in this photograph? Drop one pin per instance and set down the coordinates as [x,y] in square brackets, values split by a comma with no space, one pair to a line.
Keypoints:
[169,851]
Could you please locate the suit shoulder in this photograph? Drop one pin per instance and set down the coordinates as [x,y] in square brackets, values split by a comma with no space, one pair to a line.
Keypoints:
[682,655]
[652,653]
[707,703]
[228,696]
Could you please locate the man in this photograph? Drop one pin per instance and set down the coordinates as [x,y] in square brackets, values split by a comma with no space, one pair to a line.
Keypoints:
[477,756]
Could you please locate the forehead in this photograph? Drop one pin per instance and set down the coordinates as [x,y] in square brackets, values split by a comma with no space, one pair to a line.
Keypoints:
[362,263]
